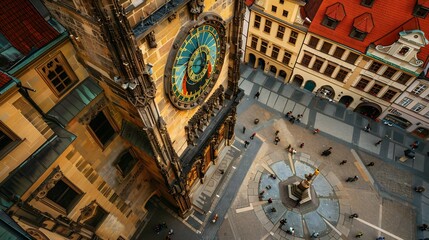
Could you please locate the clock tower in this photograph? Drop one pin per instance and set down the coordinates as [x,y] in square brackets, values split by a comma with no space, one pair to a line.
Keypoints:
[170,71]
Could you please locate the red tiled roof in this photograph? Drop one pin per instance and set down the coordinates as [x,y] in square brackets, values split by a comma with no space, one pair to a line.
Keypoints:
[364,23]
[249,2]
[336,11]
[387,17]
[424,3]
[23,26]
[4,79]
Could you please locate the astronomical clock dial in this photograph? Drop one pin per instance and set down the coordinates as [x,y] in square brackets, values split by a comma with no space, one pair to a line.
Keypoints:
[196,63]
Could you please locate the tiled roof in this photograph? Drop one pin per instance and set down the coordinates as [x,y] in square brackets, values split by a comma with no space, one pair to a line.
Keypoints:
[336,11]
[23,26]
[249,2]
[389,18]
[364,23]
[4,79]
[424,3]
[310,9]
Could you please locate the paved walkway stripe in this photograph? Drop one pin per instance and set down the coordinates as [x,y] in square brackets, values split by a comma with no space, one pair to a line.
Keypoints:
[245,209]
[332,226]
[380,229]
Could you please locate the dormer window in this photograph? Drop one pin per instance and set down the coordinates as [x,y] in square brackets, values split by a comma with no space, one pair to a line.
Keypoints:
[420,9]
[333,15]
[362,25]
[367,3]
[404,51]
[359,35]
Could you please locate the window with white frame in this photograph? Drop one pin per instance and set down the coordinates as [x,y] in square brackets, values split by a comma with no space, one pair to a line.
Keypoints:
[405,101]
[418,107]
[419,89]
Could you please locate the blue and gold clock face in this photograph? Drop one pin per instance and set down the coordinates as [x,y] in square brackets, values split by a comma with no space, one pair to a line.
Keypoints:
[196,65]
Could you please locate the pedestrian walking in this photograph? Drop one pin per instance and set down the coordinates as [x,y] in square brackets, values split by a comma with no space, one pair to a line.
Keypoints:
[368,128]
[257,95]
[370,164]
[359,235]
[246,143]
[424,227]
[354,215]
[343,162]
[291,231]
[301,145]
[283,221]
[414,145]
[292,119]
[252,136]
[244,129]
[273,209]
[288,147]
[276,140]
[298,118]
[288,114]
[419,189]
[268,187]
[171,232]
[315,235]
[352,179]
[270,200]
[277,132]
[378,143]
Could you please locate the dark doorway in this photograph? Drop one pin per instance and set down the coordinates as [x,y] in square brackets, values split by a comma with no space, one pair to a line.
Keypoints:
[252,59]
[346,100]
[368,109]
[310,85]
[273,70]
[261,64]
[282,75]
[297,80]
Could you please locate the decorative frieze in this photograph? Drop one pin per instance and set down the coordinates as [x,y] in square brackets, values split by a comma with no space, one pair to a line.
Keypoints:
[48,184]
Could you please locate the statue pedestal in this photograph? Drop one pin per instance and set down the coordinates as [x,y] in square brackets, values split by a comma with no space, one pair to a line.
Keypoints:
[300,191]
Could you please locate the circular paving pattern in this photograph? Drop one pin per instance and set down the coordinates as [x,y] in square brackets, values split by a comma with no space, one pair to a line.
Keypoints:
[307,218]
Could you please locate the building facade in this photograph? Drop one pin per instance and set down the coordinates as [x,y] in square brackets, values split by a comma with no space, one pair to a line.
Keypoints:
[275,35]
[118,103]
[358,54]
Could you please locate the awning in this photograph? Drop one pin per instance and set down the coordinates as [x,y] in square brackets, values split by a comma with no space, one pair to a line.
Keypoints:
[75,101]
[136,136]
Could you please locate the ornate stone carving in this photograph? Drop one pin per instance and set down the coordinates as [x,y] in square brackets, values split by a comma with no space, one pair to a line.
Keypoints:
[92,112]
[151,40]
[48,184]
[36,234]
[88,212]
[196,7]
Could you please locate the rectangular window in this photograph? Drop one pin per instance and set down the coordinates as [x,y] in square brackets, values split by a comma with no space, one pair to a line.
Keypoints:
[339,52]
[405,101]
[356,34]
[267,27]
[367,3]
[317,65]
[8,140]
[329,70]
[306,60]
[388,95]
[293,37]
[375,89]
[64,194]
[351,58]
[280,31]
[375,66]
[275,52]
[282,1]
[389,72]
[273,9]
[362,84]
[257,22]
[403,79]
[419,89]
[57,74]
[285,13]
[286,58]
[418,107]
[264,46]
[329,22]
[342,74]
[102,129]
[313,42]
[254,43]
[326,47]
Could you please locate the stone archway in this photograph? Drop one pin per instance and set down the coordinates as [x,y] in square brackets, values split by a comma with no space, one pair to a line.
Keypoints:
[310,85]
[273,70]
[252,59]
[368,109]
[297,80]
[261,63]
[421,132]
[326,91]
[346,100]
[282,75]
